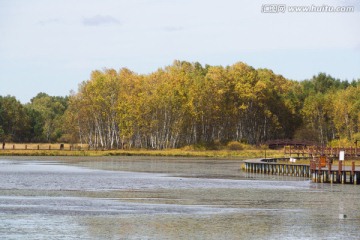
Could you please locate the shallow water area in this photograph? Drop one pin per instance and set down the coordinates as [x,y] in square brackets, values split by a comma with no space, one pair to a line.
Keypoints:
[166,198]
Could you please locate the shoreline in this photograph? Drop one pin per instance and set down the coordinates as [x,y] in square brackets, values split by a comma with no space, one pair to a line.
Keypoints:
[239,154]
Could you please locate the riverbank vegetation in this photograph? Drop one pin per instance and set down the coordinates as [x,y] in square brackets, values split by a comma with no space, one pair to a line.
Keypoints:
[15,149]
[187,104]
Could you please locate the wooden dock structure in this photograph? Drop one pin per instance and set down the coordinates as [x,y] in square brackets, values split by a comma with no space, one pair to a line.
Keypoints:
[335,174]
[270,166]
[313,171]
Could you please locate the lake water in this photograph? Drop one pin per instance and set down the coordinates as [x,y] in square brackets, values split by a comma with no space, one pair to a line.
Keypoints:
[166,198]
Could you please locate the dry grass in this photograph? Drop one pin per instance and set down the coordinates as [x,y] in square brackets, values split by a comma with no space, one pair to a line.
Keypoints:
[46,149]
[77,150]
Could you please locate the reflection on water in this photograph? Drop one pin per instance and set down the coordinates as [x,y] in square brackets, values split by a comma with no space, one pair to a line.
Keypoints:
[166,198]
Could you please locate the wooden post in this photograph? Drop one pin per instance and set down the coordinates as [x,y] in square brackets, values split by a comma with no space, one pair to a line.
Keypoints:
[290,150]
[341,172]
[343,177]
[355,178]
[352,175]
[340,166]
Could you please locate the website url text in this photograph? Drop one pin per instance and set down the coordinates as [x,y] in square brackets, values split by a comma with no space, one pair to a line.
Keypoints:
[283,8]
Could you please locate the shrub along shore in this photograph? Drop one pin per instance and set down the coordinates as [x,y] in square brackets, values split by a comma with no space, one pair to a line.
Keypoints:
[243,154]
[230,151]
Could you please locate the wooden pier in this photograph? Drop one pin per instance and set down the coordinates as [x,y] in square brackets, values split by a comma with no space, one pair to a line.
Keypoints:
[270,166]
[335,174]
[314,171]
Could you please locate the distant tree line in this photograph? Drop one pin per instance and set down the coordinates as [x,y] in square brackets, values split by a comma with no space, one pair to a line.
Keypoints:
[187,104]
[37,121]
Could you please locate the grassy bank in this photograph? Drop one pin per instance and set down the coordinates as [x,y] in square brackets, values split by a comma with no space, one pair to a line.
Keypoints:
[231,150]
[239,154]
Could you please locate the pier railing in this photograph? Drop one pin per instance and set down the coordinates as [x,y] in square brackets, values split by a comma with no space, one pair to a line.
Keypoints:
[316,151]
[44,146]
[316,170]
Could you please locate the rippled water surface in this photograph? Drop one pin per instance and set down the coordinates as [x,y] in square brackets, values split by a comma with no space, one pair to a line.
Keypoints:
[166,198]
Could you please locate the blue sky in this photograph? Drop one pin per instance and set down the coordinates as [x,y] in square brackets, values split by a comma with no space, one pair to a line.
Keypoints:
[53,45]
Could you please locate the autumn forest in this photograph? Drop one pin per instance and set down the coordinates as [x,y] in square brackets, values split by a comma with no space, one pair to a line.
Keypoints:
[188,104]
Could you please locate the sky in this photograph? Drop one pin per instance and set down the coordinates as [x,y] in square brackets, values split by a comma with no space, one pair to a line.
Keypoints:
[52,46]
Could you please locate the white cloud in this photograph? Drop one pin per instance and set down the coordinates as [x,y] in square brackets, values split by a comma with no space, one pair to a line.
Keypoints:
[49,21]
[172,28]
[100,20]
